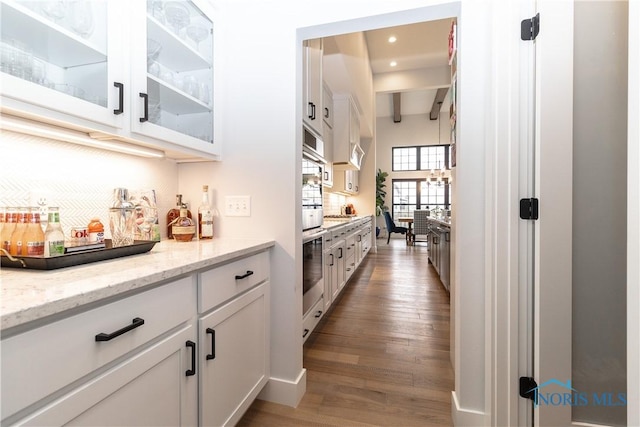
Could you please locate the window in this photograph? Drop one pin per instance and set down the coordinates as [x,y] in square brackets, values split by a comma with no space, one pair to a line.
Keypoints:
[420,158]
[411,194]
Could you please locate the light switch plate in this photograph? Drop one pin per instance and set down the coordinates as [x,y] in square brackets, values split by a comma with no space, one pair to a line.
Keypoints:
[237,205]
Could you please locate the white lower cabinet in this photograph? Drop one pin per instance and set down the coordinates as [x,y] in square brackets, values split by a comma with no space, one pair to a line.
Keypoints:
[193,351]
[233,332]
[234,363]
[92,368]
[151,388]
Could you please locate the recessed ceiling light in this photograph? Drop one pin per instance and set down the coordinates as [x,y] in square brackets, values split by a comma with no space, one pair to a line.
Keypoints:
[393,63]
[392,39]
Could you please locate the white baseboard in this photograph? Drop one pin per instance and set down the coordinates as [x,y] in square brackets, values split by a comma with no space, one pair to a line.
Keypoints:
[464,417]
[577,423]
[285,392]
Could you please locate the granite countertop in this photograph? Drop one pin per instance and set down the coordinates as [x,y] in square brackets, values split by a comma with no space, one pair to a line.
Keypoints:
[30,295]
[333,222]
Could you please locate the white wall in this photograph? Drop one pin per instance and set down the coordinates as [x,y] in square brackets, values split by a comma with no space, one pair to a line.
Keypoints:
[79,180]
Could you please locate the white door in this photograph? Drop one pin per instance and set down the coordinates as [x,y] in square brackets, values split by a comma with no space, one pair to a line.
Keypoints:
[553,187]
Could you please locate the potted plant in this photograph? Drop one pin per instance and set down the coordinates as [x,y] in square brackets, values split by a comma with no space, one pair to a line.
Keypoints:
[381,177]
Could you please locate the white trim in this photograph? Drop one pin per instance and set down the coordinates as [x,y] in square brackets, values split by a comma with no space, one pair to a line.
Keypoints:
[633,220]
[465,417]
[285,392]
[576,423]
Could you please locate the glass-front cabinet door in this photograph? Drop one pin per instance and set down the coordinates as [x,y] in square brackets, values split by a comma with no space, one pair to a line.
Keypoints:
[172,74]
[63,56]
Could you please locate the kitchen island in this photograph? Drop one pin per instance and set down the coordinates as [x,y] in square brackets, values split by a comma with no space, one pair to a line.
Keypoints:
[440,248]
[176,336]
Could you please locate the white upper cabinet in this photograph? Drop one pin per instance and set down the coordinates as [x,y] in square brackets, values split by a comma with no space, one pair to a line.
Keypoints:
[141,74]
[347,153]
[312,84]
[172,74]
[327,105]
[63,59]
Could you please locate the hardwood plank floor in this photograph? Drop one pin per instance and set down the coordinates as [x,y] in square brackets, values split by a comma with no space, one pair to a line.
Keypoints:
[381,354]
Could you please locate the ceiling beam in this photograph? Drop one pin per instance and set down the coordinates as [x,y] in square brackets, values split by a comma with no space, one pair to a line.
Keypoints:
[397,118]
[437,103]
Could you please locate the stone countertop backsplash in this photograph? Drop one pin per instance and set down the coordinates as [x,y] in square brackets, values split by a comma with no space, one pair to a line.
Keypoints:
[31,295]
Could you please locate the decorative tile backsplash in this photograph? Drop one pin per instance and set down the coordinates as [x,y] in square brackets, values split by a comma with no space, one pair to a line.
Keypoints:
[80,180]
[332,203]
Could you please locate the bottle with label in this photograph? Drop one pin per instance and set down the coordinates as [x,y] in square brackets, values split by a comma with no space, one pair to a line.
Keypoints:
[33,237]
[174,214]
[18,232]
[205,216]
[10,220]
[53,235]
[183,228]
[96,231]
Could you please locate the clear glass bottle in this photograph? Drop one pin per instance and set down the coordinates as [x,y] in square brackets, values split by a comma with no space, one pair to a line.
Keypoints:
[183,228]
[53,236]
[205,216]
[33,237]
[174,214]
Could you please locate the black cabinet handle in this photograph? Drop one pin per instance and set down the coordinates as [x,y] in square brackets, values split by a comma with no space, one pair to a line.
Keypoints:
[192,371]
[326,113]
[120,108]
[244,276]
[108,337]
[332,260]
[318,314]
[146,107]
[340,257]
[306,332]
[312,111]
[213,344]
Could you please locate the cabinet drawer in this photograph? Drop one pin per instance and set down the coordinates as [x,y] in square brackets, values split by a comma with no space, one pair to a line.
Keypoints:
[312,319]
[222,283]
[41,361]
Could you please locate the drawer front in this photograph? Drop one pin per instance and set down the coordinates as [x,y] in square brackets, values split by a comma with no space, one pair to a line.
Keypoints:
[312,319]
[338,234]
[223,283]
[42,361]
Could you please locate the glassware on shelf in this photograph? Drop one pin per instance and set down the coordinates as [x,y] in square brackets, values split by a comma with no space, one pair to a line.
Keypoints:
[197,33]
[80,17]
[153,68]
[204,93]
[177,16]
[121,219]
[146,212]
[155,9]
[191,86]
[54,9]
[153,51]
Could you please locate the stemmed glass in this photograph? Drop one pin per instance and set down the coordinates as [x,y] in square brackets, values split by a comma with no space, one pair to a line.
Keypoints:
[197,33]
[81,17]
[146,212]
[55,9]
[177,15]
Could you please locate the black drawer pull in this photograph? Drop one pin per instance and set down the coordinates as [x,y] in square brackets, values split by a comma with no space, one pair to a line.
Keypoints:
[145,118]
[245,275]
[191,372]
[108,337]
[318,314]
[213,344]
[120,108]
[306,332]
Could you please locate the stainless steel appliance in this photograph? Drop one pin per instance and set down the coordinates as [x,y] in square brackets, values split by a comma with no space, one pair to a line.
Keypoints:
[312,268]
[311,193]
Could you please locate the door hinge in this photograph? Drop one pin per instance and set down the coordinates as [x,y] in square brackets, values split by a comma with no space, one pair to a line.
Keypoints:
[529,28]
[528,388]
[529,208]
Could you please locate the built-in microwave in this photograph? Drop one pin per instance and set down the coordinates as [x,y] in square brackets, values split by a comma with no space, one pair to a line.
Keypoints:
[313,144]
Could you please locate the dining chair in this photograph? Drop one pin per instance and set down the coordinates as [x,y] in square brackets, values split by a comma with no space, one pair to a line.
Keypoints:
[392,227]
[420,225]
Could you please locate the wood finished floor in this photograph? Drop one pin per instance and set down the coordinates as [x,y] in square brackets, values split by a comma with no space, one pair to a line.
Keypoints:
[381,355]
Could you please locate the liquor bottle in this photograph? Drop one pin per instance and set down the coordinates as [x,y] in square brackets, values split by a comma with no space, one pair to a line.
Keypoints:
[174,214]
[18,232]
[10,220]
[33,237]
[205,216]
[183,228]
[53,236]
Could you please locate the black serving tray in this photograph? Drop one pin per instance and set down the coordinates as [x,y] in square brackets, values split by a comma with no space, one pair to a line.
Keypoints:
[78,258]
